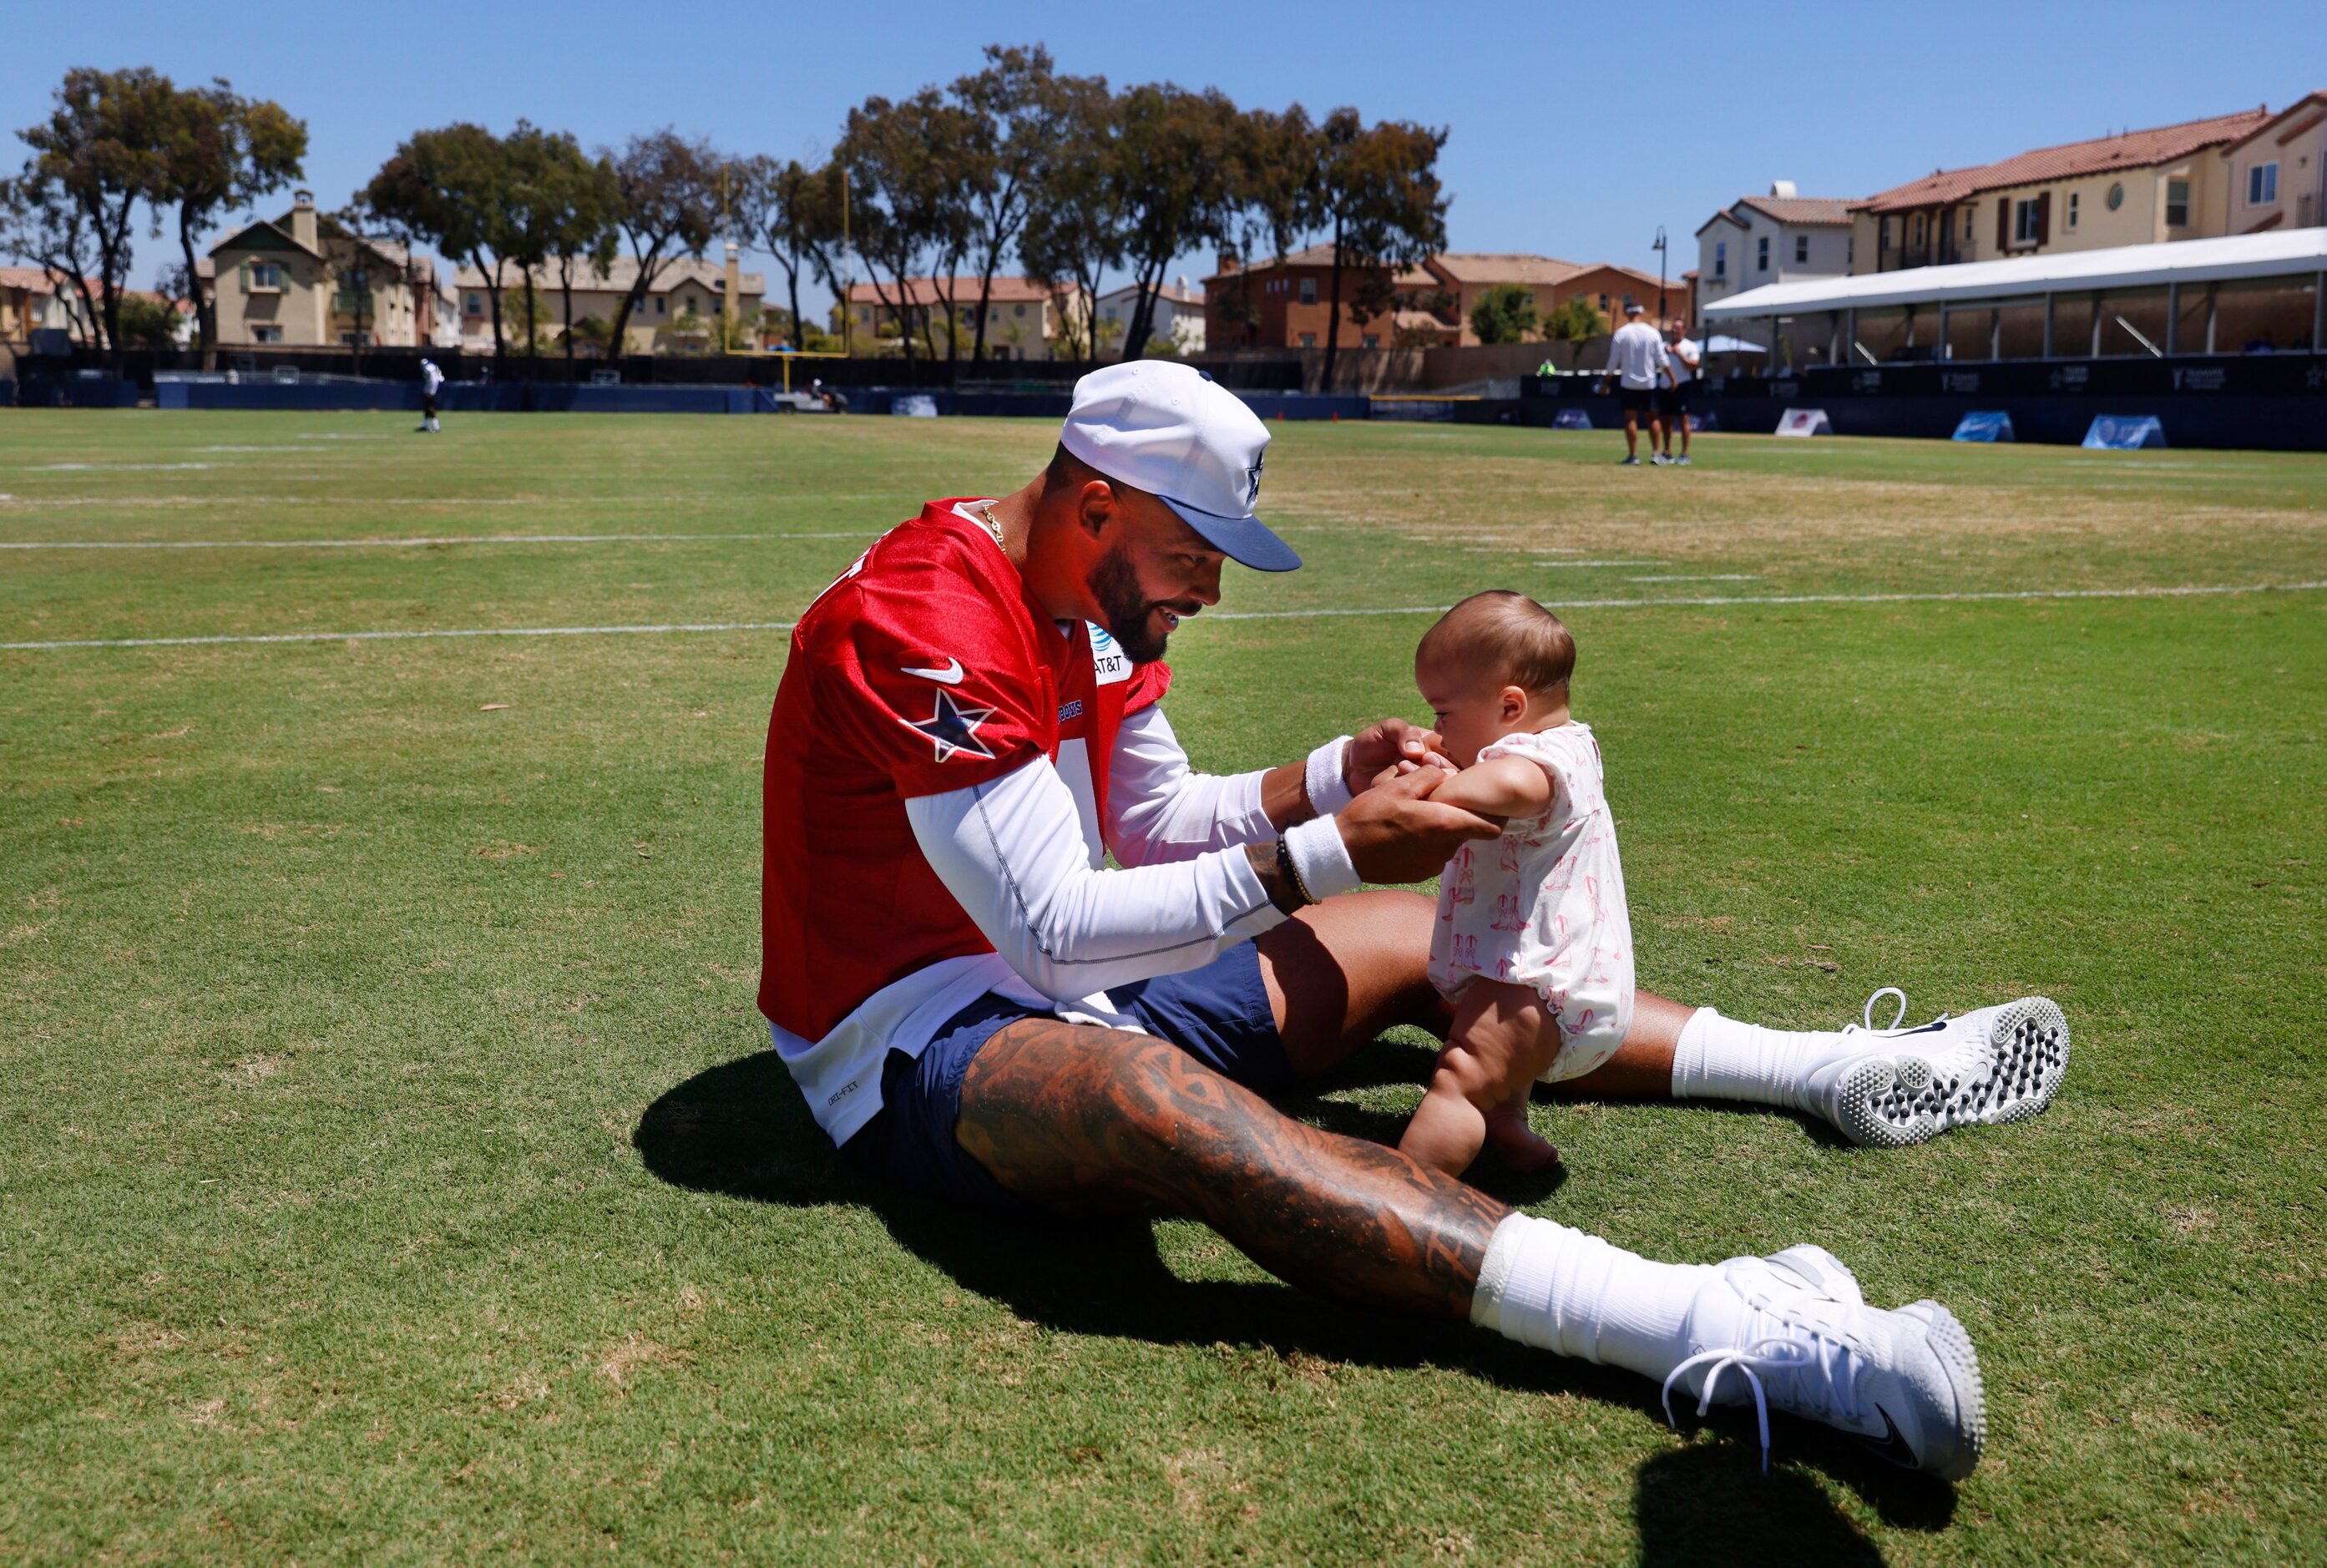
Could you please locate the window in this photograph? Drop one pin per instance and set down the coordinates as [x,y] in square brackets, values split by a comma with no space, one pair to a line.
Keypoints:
[266,335]
[1308,340]
[1720,260]
[1969,213]
[2177,203]
[1372,341]
[2072,209]
[2023,221]
[1019,311]
[1762,254]
[1801,248]
[268,275]
[2262,184]
[2116,197]
[1919,232]
[662,305]
[1110,312]
[472,305]
[1308,291]
[356,340]
[1603,304]
[1628,301]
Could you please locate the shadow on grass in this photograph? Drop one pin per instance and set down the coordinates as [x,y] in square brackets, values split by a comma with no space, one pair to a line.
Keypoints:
[740,1129]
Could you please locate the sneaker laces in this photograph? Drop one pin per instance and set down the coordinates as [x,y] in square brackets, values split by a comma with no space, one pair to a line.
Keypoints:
[1866,1015]
[1775,1355]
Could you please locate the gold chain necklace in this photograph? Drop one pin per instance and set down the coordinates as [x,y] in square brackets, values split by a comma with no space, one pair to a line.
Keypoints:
[985,511]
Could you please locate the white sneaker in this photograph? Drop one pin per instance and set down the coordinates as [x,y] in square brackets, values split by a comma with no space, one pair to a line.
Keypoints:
[1889,1087]
[1798,1334]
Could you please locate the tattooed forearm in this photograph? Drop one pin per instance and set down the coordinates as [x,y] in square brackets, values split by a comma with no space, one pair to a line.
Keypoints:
[1068,1113]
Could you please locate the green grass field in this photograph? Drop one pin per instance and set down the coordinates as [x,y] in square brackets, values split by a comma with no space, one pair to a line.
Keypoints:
[394,1169]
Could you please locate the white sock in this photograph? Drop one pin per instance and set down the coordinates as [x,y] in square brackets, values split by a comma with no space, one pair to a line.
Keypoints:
[1720,1059]
[1551,1286]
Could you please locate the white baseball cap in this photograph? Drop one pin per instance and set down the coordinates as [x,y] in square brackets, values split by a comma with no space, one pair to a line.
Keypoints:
[1172,431]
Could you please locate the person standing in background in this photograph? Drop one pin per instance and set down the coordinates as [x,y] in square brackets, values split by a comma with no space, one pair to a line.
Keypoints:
[430,378]
[1672,401]
[1636,358]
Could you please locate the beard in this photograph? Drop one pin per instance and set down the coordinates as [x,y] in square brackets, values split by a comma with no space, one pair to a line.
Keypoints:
[1130,615]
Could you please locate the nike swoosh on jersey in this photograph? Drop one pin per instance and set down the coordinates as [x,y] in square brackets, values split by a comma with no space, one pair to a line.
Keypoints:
[950,675]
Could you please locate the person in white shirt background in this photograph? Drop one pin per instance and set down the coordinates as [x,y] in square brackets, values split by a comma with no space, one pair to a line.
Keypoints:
[1636,358]
[430,378]
[1672,401]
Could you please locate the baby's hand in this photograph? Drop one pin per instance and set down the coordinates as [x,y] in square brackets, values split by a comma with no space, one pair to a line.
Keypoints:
[1405,765]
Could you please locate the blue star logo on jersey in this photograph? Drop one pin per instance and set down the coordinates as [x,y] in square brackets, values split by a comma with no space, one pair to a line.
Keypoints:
[952,727]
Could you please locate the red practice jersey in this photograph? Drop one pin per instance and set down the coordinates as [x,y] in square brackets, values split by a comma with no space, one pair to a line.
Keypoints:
[924,669]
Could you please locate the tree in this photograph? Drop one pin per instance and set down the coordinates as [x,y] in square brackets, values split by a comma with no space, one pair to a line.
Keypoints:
[668,189]
[908,207]
[793,213]
[445,187]
[1274,203]
[43,227]
[220,151]
[1173,165]
[1377,195]
[148,321]
[560,208]
[1575,321]
[102,147]
[1020,112]
[1074,220]
[1505,313]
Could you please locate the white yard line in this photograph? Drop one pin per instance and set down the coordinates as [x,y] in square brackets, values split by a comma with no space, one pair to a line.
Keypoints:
[1702,577]
[393,543]
[2179,590]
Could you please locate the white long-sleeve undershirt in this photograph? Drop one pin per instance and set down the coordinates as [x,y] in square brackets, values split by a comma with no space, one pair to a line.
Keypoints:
[1158,809]
[1012,852]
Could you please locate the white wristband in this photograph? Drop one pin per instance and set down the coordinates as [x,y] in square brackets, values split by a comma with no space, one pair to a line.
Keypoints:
[1321,859]
[1323,779]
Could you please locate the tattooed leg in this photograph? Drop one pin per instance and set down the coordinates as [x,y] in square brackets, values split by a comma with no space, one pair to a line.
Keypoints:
[1077,1117]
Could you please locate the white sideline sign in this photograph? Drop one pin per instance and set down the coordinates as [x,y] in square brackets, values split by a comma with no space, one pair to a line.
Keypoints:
[1804,422]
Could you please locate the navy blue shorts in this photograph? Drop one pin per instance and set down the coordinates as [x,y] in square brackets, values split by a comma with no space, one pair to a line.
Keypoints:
[1218,1014]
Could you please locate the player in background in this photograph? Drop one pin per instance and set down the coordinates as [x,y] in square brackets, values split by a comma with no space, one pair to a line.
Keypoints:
[1636,358]
[1672,401]
[430,378]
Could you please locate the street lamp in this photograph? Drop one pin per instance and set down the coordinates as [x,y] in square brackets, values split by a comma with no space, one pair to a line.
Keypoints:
[1660,277]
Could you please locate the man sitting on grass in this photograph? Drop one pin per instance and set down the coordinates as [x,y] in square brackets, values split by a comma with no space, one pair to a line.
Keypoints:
[975,1007]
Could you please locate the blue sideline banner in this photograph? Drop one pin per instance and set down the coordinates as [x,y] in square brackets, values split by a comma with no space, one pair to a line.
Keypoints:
[1988,425]
[2124,432]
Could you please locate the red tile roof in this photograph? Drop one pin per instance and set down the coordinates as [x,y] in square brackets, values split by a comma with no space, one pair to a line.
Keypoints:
[2309,101]
[2133,150]
[1803,211]
[1502,267]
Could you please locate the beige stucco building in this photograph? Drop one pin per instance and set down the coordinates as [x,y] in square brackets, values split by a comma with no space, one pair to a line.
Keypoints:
[302,280]
[2141,188]
[678,314]
[2275,175]
[1026,319]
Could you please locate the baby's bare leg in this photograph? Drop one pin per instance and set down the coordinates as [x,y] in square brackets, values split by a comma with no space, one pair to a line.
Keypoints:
[1503,1037]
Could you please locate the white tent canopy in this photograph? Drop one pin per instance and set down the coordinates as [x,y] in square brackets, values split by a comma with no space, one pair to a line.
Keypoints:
[2276,254]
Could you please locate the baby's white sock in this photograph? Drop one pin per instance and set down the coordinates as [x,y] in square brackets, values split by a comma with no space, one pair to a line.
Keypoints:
[1720,1059]
[1554,1287]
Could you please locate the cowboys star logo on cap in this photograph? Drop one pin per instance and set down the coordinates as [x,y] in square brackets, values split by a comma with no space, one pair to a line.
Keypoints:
[952,728]
[1252,480]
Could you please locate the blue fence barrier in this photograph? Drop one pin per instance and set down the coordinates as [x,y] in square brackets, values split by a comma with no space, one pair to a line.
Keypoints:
[1571,419]
[1986,425]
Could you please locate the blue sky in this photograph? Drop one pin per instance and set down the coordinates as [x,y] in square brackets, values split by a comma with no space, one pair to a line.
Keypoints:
[1565,141]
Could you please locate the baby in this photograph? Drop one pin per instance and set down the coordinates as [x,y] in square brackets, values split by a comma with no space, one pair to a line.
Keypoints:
[1533,944]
